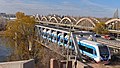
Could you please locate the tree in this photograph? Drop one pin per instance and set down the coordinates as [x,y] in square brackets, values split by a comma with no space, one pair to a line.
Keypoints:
[100,28]
[21,35]
[20,32]
[3,23]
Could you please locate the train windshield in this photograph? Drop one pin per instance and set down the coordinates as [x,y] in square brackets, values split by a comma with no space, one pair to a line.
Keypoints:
[103,50]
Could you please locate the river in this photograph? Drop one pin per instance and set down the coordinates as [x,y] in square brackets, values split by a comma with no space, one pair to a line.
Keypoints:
[5,50]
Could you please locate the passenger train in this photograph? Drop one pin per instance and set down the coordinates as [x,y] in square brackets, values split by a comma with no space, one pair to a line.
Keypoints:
[92,49]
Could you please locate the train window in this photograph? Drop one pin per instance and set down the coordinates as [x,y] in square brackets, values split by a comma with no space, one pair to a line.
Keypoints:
[42,33]
[58,37]
[90,50]
[65,41]
[61,40]
[71,44]
[51,36]
[54,37]
[45,34]
[85,49]
[81,47]
[103,49]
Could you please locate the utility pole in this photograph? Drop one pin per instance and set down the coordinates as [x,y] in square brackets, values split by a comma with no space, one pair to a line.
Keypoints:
[116,25]
[68,46]
[116,14]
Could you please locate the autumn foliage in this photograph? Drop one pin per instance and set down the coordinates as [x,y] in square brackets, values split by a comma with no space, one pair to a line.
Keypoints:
[100,28]
[20,33]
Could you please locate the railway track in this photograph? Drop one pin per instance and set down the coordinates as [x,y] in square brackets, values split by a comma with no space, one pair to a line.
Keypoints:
[114,44]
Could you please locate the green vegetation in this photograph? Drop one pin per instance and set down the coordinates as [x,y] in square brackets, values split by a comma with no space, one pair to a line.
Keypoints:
[100,28]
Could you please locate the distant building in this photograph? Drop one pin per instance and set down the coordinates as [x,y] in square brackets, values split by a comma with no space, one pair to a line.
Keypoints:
[8,16]
[3,19]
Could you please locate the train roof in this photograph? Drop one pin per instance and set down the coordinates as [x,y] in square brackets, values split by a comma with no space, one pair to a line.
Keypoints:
[53,28]
[62,29]
[92,43]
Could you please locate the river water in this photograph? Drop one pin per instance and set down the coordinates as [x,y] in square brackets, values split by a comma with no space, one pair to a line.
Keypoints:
[5,50]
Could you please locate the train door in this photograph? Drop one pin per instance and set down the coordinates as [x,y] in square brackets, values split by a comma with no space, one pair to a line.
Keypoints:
[49,35]
[54,36]
[94,53]
[44,34]
[68,42]
[58,37]
[61,41]
[65,40]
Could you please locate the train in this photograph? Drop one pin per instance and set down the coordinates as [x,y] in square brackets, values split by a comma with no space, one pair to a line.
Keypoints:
[94,50]
[73,39]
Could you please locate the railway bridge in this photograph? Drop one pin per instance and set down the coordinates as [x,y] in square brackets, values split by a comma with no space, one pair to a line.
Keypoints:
[87,23]
[83,23]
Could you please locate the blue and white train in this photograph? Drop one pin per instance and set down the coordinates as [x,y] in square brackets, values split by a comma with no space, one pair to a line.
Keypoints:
[94,50]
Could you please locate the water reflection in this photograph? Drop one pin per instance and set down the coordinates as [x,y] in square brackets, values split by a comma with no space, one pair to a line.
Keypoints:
[5,50]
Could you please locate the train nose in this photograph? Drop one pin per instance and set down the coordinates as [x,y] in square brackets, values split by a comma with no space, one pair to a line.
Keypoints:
[104,57]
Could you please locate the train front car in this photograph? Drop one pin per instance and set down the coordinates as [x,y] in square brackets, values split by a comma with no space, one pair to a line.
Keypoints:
[104,53]
[94,50]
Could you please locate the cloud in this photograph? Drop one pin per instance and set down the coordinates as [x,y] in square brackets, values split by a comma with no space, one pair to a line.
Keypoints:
[97,9]
[66,7]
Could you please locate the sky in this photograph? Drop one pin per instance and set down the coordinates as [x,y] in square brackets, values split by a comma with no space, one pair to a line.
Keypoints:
[95,8]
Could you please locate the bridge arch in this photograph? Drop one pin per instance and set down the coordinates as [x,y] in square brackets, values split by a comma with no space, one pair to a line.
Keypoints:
[97,21]
[37,17]
[112,20]
[53,18]
[44,19]
[59,19]
[113,24]
[82,19]
[73,19]
[65,19]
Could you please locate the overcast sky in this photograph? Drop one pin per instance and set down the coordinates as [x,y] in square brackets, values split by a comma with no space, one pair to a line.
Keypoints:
[97,8]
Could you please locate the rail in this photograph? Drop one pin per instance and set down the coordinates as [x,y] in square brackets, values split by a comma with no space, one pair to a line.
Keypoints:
[111,44]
